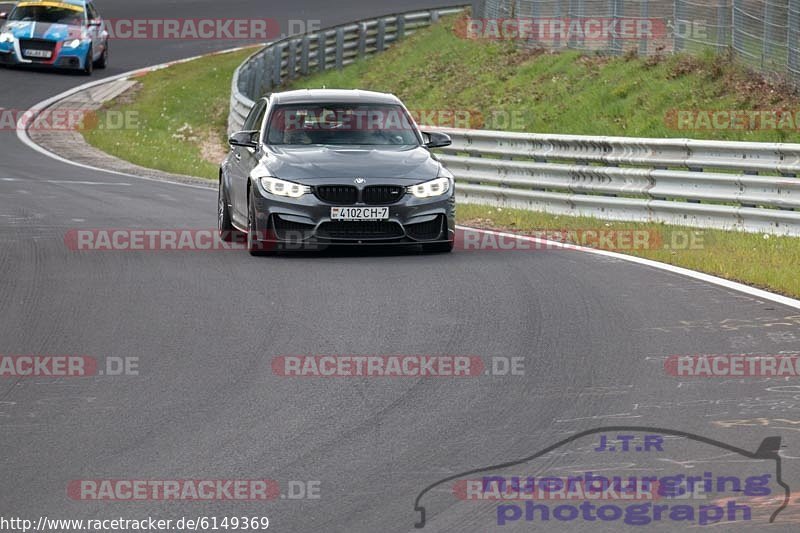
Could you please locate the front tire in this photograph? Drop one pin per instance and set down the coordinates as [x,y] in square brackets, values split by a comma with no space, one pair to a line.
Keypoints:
[254,246]
[224,224]
[103,61]
[88,63]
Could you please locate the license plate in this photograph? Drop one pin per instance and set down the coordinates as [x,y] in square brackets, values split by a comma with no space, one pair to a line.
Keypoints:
[359,213]
[38,53]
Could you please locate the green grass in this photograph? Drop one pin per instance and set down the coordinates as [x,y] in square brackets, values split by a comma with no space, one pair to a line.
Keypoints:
[194,93]
[766,262]
[564,92]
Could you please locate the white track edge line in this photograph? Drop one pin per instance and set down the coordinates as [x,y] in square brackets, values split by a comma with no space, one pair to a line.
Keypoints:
[22,133]
[708,278]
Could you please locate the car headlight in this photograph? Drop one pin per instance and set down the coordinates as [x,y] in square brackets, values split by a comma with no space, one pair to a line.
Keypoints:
[6,37]
[284,188]
[436,187]
[73,44]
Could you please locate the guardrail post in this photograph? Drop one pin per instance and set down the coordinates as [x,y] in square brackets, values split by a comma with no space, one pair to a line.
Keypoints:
[401,26]
[259,83]
[749,173]
[304,55]
[339,47]
[322,44]
[379,38]
[652,182]
[277,59]
[291,63]
[244,81]
[259,74]
[241,82]
[362,40]
[266,73]
[247,79]
[435,16]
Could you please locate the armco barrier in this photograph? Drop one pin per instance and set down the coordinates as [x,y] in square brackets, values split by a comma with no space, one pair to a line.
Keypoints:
[678,181]
[315,52]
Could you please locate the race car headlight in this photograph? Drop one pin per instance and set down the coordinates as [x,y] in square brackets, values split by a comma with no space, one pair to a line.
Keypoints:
[72,44]
[284,188]
[436,187]
[6,37]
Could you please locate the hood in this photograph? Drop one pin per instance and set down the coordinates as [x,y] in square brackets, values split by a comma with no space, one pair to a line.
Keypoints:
[43,30]
[309,163]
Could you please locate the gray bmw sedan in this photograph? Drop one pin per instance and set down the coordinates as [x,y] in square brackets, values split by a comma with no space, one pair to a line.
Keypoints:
[323,167]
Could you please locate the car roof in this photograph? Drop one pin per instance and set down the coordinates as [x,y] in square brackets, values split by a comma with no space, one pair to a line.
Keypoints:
[316,96]
[80,3]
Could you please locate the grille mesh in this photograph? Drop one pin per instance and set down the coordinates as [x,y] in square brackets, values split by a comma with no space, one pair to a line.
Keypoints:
[426,230]
[337,194]
[383,194]
[373,229]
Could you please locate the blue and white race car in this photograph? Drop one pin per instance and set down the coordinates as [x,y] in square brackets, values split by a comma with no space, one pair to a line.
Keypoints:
[61,34]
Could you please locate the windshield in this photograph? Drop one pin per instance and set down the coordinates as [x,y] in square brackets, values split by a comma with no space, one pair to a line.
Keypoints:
[341,124]
[48,14]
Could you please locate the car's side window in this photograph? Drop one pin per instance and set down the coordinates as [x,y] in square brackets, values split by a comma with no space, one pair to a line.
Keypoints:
[92,12]
[256,116]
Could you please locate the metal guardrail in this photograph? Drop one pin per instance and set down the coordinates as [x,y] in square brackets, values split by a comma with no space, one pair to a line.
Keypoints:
[678,181]
[712,184]
[315,52]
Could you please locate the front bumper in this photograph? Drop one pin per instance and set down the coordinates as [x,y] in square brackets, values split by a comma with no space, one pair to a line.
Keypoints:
[305,223]
[63,58]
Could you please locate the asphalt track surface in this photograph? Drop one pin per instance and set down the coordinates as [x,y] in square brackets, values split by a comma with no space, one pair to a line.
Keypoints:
[592,330]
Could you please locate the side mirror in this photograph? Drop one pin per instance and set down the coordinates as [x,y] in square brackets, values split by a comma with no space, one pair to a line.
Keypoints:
[3,16]
[247,139]
[436,139]
[95,22]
